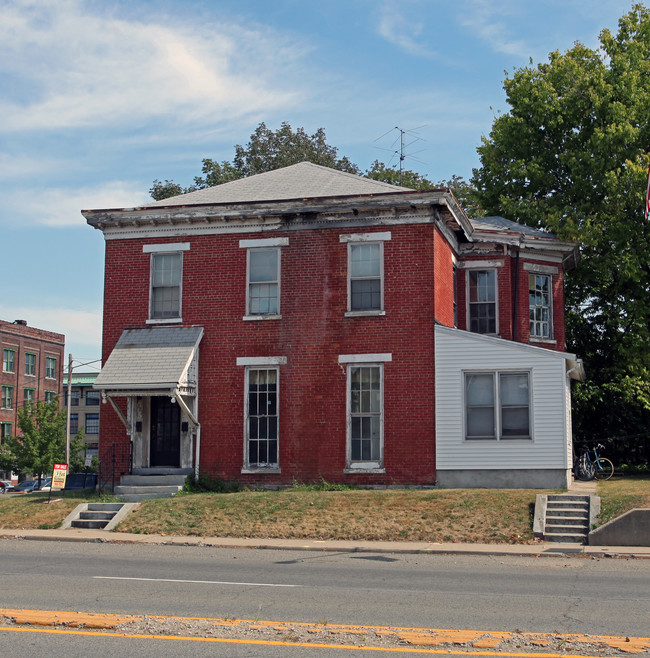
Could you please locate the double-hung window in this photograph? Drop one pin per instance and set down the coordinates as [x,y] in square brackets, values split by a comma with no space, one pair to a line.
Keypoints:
[50,367]
[74,423]
[30,363]
[263,281]
[263,268]
[8,360]
[261,412]
[539,304]
[5,431]
[482,301]
[49,396]
[29,395]
[497,405]
[365,410]
[262,417]
[7,401]
[93,398]
[166,278]
[365,272]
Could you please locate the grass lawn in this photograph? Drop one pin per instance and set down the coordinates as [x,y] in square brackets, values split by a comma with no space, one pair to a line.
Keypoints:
[436,515]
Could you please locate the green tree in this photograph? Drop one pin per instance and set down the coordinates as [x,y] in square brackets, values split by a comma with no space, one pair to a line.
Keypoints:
[42,440]
[464,192]
[266,150]
[571,156]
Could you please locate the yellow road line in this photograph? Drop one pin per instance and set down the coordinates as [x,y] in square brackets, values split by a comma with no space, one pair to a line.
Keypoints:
[279,643]
[477,641]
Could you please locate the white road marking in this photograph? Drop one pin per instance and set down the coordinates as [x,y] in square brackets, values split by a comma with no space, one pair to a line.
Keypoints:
[203,582]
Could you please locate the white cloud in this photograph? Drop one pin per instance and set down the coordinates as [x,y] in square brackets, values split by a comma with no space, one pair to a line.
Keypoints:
[61,207]
[64,66]
[402,32]
[488,19]
[82,329]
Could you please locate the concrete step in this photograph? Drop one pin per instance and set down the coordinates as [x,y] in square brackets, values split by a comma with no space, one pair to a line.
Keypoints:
[582,522]
[153,480]
[89,524]
[574,538]
[567,504]
[144,495]
[563,511]
[162,471]
[566,497]
[97,516]
[162,490]
[104,507]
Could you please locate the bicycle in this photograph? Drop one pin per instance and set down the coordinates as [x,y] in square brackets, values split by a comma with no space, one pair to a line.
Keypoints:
[590,465]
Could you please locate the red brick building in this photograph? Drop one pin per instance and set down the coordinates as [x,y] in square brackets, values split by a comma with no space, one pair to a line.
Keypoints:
[32,369]
[287,326]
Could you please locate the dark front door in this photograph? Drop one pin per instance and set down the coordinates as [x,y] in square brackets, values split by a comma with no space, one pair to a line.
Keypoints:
[165,447]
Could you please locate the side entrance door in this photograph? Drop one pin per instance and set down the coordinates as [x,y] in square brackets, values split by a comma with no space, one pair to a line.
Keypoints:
[165,444]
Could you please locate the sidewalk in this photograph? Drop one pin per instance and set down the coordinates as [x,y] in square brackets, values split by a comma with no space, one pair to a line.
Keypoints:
[538,549]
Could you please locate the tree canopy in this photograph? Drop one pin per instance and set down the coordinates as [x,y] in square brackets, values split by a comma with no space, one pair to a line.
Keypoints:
[42,443]
[268,150]
[571,156]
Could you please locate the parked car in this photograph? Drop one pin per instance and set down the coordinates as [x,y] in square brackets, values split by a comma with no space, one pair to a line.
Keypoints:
[81,481]
[29,485]
[5,485]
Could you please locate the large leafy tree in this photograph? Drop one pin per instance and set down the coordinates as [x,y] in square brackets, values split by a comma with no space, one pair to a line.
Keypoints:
[571,156]
[266,150]
[42,440]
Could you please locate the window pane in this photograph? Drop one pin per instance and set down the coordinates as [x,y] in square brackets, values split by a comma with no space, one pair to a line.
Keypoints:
[365,294]
[515,422]
[263,265]
[262,418]
[480,422]
[480,389]
[263,298]
[481,286]
[365,260]
[166,269]
[514,389]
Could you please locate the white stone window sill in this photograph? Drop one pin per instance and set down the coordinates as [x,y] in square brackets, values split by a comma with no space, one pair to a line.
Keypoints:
[363,314]
[260,470]
[164,321]
[364,469]
[270,316]
[545,341]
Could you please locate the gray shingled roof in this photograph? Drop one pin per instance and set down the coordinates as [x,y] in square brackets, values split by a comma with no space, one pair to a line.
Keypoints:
[299,181]
[502,224]
[151,358]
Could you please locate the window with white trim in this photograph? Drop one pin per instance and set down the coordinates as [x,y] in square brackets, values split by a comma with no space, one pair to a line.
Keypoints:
[482,301]
[261,417]
[263,291]
[50,367]
[365,276]
[166,277]
[365,415]
[539,305]
[8,360]
[497,405]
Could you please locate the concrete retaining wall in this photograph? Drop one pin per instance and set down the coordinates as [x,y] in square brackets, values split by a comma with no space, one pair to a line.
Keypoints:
[630,529]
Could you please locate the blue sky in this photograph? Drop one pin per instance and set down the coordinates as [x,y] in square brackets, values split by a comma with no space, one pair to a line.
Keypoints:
[99,98]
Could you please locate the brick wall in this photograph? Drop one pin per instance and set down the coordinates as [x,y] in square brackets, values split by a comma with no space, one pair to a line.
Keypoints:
[312,333]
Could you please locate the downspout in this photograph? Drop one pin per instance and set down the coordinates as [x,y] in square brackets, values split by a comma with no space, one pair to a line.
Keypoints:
[515,296]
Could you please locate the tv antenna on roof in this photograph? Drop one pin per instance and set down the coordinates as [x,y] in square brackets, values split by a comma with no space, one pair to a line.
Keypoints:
[404,135]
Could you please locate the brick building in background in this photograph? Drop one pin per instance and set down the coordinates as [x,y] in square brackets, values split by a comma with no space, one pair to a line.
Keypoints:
[32,369]
[84,410]
[306,323]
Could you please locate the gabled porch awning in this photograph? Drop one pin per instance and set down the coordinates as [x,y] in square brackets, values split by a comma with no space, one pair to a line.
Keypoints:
[152,361]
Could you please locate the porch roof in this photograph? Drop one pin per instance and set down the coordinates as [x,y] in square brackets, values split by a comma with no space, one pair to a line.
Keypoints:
[150,360]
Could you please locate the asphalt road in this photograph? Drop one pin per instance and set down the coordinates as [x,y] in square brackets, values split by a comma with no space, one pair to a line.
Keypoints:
[560,594]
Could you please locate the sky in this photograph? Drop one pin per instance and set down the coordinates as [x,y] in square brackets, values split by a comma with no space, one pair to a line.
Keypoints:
[98,98]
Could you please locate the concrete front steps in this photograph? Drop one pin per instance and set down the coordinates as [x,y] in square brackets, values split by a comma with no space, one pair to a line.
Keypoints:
[150,483]
[565,517]
[97,516]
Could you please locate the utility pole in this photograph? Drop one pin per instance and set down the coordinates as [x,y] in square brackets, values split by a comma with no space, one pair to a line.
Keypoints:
[69,399]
